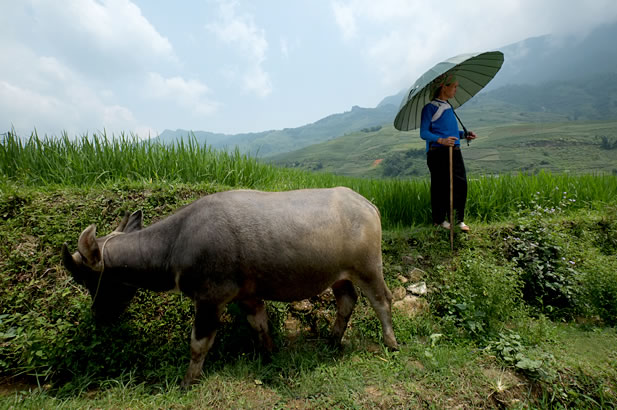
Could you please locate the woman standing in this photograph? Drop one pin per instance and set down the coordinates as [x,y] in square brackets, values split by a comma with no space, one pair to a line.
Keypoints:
[439,128]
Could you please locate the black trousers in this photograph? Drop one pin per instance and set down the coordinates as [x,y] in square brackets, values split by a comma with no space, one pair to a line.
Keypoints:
[438,163]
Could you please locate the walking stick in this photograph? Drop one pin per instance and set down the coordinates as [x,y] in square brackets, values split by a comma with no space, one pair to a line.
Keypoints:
[450,150]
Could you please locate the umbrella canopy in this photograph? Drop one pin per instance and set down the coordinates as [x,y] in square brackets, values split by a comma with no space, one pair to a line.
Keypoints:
[472,71]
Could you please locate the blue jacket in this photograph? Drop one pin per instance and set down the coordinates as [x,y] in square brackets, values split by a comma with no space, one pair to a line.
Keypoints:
[438,121]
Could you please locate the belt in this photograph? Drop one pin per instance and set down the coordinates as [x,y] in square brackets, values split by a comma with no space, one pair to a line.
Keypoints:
[439,147]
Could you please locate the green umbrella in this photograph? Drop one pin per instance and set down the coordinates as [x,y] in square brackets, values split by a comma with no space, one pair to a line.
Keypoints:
[472,71]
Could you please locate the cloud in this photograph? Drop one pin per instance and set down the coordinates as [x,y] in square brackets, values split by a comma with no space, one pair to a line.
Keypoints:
[402,38]
[21,106]
[71,66]
[241,32]
[75,112]
[108,37]
[187,94]
[43,92]
[345,19]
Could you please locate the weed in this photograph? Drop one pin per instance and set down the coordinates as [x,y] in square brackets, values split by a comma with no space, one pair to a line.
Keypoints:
[550,281]
[101,160]
[479,295]
[508,347]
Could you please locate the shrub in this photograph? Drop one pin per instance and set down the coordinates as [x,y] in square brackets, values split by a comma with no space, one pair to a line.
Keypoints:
[480,295]
[606,232]
[550,281]
[600,288]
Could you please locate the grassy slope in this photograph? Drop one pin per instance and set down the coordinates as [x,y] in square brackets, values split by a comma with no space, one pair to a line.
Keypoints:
[143,361]
[556,147]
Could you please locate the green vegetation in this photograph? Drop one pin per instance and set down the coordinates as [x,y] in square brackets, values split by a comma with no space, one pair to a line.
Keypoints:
[588,98]
[101,160]
[273,142]
[520,313]
[563,147]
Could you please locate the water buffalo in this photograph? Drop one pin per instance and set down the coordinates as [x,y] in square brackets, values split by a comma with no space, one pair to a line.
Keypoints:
[245,246]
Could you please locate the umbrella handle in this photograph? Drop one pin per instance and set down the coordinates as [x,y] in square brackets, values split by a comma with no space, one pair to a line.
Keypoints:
[450,151]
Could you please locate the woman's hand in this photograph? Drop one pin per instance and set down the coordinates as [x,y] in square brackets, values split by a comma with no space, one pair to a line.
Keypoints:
[471,135]
[448,142]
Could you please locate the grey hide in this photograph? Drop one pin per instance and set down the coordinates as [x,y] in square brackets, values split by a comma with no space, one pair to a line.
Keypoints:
[245,246]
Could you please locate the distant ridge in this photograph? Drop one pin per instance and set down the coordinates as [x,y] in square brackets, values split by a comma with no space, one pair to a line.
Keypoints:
[277,141]
[550,61]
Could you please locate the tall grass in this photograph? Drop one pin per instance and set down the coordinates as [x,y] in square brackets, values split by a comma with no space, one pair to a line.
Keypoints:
[99,159]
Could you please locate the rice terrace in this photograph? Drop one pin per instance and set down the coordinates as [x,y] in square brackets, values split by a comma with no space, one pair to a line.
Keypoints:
[522,313]
[240,205]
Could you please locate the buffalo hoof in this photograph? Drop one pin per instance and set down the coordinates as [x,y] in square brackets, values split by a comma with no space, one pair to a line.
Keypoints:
[393,347]
[185,384]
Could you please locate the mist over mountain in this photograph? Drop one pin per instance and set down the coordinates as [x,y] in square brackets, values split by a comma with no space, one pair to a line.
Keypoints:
[560,78]
[550,58]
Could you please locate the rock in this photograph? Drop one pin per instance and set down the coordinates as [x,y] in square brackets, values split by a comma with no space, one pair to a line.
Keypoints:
[327,296]
[293,327]
[415,275]
[418,288]
[399,293]
[302,306]
[402,279]
[411,306]
[396,268]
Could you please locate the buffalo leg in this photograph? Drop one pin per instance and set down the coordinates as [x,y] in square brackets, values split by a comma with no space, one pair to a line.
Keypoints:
[202,337]
[258,319]
[380,297]
[346,298]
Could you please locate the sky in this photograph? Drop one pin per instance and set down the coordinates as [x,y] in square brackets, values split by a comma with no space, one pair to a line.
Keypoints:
[234,66]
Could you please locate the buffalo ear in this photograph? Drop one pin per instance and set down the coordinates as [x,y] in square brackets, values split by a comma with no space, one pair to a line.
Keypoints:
[123,223]
[135,222]
[89,248]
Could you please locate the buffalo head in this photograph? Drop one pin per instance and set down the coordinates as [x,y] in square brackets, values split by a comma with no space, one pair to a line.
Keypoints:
[109,298]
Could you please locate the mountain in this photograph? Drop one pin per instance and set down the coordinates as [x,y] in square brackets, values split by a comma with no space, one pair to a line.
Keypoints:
[549,58]
[588,98]
[532,67]
[567,125]
[576,147]
[268,143]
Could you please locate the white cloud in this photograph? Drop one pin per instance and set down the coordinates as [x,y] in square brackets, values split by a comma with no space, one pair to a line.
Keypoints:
[116,114]
[75,112]
[44,93]
[80,65]
[403,38]
[187,94]
[109,30]
[22,107]
[345,19]
[241,32]
[71,66]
